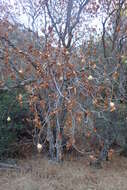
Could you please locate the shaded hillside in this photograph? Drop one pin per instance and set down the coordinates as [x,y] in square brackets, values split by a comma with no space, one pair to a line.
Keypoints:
[19,48]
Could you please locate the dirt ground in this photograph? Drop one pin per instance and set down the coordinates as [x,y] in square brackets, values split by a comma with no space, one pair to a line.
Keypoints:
[72,174]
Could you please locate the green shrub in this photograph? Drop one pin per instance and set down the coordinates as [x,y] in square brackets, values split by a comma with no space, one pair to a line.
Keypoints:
[12,116]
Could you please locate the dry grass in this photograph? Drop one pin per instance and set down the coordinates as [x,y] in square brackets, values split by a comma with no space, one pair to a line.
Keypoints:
[70,175]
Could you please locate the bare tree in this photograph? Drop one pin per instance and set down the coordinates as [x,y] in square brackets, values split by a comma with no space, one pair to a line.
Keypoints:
[70,20]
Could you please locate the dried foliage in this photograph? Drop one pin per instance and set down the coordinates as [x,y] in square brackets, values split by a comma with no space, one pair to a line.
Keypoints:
[71,79]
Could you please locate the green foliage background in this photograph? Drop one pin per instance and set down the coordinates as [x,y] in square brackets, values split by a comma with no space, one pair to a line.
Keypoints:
[10,107]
